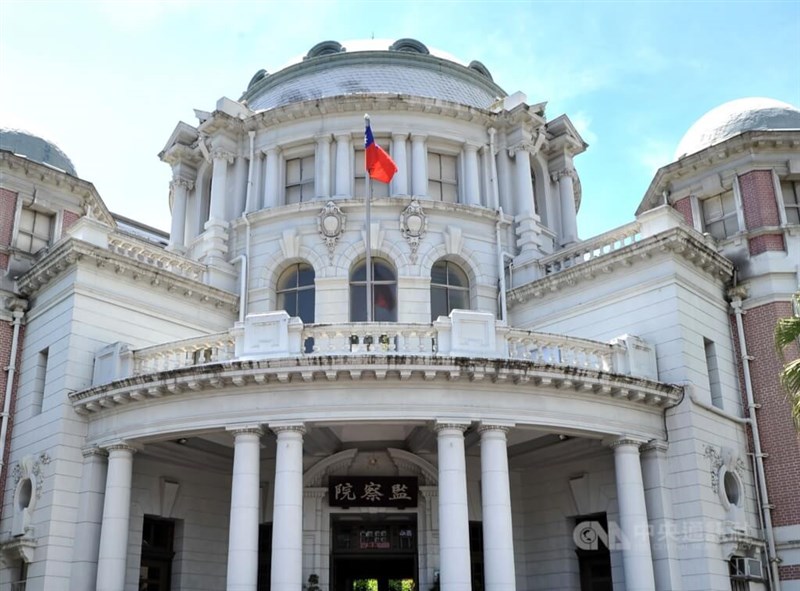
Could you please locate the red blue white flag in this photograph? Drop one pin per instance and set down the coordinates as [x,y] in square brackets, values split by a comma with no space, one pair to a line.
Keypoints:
[379,164]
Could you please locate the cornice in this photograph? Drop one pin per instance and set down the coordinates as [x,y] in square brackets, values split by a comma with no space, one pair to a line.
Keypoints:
[327,369]
[677,241]
[92,203]
[712,156]
[70,252]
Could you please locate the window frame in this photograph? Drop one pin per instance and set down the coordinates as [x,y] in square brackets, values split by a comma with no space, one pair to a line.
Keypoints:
[710,222]
[352,283]
[791,206]
[436,177]
[20,233]
[306,185]
[298,268]
[448,288]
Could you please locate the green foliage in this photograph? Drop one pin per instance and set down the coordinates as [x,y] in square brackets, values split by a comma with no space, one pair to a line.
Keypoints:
[787,332]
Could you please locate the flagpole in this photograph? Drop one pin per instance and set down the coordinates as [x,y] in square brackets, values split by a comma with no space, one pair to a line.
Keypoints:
[368,199]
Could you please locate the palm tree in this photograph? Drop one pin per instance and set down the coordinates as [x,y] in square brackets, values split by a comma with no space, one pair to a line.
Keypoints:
[786,333]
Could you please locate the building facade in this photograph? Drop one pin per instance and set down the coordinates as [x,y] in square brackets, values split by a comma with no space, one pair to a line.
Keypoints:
[524,410]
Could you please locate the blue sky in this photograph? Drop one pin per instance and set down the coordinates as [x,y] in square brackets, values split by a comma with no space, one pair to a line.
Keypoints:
[107,80]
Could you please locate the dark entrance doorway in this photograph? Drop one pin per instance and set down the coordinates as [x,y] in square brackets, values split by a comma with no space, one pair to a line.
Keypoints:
[374,552]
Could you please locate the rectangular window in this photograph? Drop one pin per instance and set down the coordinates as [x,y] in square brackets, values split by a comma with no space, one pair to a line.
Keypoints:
[719,215]
[712,365]
[35,230]
[39,379]
[442,177]
[155,568]
[300,179]
[791,201]
[378,189]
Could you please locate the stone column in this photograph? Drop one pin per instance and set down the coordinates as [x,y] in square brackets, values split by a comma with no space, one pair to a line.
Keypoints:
[287,520]
[322,172]
[569,217]
[524,203]
[219,184]
[113,553]
[637,561]
[272,177]
[400,180]
[659,512]
[419,165]
[90,518]
[343,175]
[254,191]
[505,185]
[498,534]
[472,189]
[454,561]
[177,235]
[243,531]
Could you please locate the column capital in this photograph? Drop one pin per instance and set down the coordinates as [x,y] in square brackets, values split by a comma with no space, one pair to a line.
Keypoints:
[418,137]
[324,138]
[182,183]
[625,441]
[470,147]
[279,428]
[502,426]
[271,151]
[120,446]
[220,154]
[450,425]
[240,429]
[564,172]
[342,136]
[654,446]
[399,136]
[94,450]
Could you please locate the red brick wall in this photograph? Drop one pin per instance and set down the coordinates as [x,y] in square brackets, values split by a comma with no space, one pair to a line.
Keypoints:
[789,573]
[779,438]
[8,207]
[764,243]
[69,218]
[6,335]
[684,207]
[758,199]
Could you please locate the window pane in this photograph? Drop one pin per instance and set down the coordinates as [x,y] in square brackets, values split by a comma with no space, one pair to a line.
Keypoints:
[26,219]
[455,276]
[728,202]
[293,171]
[360,272]
[293,194]
[434,166]
[438,302]
[435,190]
[458,299]
[439,273]
[289,279]
[731,226]
[288,301]
[305,305]
[360,188]
[379,189]
[712,208]
[385,300]
[793,215]
[382,271]
[358,303]
[449,193]
[305,275]
[358,163]
[716,229]
[449,168]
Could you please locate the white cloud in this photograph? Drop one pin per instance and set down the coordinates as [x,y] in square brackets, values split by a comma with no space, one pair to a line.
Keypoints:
[582,120]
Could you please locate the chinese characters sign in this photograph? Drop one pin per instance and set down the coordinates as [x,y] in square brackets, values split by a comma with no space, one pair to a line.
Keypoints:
[378,491]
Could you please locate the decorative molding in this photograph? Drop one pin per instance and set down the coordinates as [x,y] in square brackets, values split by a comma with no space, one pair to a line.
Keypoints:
[413,225]
[314,476]
[410,462]
[182,182]
[290,243]
[241,374]
[453,240]
[28,467]
[723,458]
[220,154]
[331,224]
[447,424]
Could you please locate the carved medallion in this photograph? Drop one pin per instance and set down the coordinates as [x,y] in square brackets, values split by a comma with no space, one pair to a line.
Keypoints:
[413,225]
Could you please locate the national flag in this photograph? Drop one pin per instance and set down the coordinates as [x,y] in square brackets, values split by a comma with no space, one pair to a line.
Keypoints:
[379,164]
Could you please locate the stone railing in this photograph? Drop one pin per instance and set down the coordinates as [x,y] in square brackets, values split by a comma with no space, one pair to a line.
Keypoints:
[464,333]
[144,252]
[591,249]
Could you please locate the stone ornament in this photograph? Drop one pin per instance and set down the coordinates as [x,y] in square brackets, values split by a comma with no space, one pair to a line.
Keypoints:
[330,224]
[413,225]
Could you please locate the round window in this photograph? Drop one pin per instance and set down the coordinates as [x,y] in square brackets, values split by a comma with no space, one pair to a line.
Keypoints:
[732,487]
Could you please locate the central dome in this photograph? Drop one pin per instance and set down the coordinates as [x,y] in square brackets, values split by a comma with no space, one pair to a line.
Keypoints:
[735,117]
[404,67]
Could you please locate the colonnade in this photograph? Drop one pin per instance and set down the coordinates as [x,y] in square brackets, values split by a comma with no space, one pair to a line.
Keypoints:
[333,178]
[287,542]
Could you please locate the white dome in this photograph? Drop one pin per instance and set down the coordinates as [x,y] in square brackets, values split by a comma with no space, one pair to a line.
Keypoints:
[735,117]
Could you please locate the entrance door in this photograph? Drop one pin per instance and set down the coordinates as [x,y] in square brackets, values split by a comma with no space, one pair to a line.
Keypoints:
[374,552]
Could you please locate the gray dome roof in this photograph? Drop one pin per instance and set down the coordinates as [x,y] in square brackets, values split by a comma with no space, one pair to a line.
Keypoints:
[35,148]
[405,67]
[735,117]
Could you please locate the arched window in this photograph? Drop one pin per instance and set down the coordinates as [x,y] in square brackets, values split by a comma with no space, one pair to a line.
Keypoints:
[296,292]
[384,292]
[449,289]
